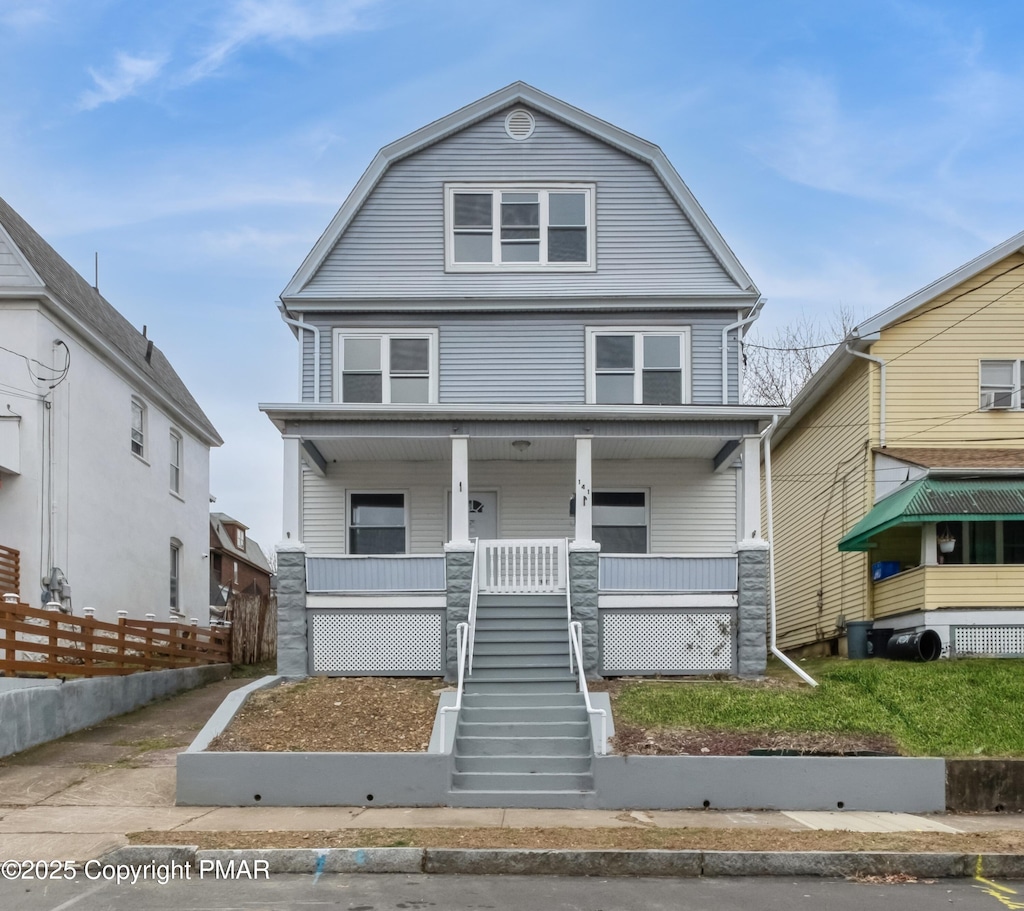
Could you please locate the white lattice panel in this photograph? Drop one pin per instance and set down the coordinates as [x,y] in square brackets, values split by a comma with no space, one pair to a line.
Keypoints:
[349,642]
[988,640]
[666,642]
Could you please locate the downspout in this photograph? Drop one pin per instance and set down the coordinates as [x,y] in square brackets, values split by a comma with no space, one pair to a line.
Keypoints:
[766,438]
[881,390]
[739,324]
[316,355]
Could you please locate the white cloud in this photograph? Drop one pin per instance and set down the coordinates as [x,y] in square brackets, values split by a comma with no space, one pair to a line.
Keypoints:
[25,14]
[129,74]
[276,21]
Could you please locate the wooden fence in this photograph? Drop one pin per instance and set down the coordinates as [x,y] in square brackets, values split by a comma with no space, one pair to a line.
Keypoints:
[253,628]
[41,642]
[10,570]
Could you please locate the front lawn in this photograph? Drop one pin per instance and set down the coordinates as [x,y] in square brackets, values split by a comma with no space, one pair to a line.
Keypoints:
[969,707]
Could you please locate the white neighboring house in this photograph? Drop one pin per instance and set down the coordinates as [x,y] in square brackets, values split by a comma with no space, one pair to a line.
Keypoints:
[104,454]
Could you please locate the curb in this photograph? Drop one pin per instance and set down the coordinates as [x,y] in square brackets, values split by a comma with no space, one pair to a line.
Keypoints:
[447,861]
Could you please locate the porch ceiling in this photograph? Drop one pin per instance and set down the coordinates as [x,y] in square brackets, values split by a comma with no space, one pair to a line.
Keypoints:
[494,449]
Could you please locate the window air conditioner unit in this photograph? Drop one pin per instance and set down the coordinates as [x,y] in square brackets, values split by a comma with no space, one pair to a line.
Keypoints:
[997,399]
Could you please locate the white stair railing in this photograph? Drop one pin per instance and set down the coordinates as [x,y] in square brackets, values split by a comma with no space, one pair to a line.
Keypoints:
[474,596]
[461,637]
[576,638]
[526,566]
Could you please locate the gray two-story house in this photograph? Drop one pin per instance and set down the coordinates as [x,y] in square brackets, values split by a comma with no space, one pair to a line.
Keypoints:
[518,344]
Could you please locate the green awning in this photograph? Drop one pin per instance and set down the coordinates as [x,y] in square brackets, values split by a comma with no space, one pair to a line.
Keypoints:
[939,500]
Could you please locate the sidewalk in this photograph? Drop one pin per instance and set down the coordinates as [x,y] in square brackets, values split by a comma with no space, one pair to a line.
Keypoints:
[77,798]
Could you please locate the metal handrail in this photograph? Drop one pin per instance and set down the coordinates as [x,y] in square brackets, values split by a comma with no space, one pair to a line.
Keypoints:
[576,639]
[474,595]
[461,636]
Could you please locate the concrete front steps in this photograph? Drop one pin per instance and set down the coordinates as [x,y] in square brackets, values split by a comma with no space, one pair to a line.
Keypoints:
[523,735]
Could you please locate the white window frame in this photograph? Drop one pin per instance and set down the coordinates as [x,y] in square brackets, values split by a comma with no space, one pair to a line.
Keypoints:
[542,190]
[137,436]
[638,333]
[991,396]
[348,518]
[175,576]
[240,538]
[385,336]
[177,459]
[646,491]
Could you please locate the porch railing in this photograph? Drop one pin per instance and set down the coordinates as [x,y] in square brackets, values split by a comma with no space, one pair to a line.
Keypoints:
[668,573]
[522,566]
[384,573]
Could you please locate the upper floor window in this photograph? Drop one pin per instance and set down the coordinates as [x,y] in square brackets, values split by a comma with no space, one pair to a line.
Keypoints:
[240,538]
[519,227]
[175,576]
[393,367]
[638,366]
[1000,385]
[138,439]
[176,453]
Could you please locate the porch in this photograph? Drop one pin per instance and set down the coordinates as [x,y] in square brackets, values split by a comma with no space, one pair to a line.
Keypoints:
[654,513]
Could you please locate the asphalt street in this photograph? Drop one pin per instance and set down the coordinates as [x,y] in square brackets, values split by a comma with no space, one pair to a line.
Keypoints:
[385,892]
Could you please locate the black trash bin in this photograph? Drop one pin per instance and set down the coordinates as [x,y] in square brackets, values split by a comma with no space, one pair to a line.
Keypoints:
[878,641]
[923,645]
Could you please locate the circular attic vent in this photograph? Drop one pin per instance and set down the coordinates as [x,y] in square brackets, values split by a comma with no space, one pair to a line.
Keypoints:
[520,124]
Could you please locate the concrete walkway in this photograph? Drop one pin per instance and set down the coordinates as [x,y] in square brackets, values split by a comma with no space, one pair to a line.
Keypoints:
[77,798]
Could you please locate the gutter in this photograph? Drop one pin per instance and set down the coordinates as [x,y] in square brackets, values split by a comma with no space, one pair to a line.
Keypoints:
[298,324]
[766,439]
[881,390]
[755,312]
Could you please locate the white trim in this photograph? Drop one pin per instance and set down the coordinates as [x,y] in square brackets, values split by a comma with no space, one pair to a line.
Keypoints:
[403,601]
[520,93]
[638,332]
[339,334]
[543,190]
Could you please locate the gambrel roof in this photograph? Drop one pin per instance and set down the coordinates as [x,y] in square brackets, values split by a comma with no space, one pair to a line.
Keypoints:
[733,275]
[30,267]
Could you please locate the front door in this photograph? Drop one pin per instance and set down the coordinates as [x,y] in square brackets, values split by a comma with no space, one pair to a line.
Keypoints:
[483,514]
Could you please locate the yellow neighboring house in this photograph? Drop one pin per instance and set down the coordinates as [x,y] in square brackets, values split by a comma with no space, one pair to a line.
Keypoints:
[898,477]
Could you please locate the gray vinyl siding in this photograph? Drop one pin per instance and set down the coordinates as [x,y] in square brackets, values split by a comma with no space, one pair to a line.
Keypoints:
[375,574]
[692,509]
[394,246]
[667,574]
[532,358]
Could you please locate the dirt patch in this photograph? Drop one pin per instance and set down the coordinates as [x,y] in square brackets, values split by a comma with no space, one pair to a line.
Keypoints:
[336,714]
[678,742]
[622,839]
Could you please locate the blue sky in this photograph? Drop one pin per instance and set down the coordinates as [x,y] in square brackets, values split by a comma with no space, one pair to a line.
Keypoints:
[849,153]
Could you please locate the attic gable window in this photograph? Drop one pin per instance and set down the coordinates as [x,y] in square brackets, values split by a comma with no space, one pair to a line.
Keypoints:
[519,228]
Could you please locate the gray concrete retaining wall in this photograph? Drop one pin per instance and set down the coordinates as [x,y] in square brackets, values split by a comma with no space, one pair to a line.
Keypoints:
[33,715]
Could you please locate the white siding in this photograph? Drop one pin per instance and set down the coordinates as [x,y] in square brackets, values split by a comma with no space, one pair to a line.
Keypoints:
[693,510]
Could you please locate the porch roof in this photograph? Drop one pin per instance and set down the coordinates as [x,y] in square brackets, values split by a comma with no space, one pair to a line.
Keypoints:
[423,432]
[939,500]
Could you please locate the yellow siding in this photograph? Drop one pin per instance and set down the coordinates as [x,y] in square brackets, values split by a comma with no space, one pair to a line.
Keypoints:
[900,594]
[820,489]
[975,586]
[932,363]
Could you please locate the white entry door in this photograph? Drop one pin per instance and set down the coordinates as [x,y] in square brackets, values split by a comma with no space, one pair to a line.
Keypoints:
[483,514]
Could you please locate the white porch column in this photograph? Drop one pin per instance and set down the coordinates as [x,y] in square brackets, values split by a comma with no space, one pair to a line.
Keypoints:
[292,500]
[460,490]
[750,513]
[584,495]
[929,544]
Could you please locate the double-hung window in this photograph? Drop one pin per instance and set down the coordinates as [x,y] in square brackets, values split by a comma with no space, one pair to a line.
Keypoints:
[376,523]
[389,368]
[523,228]
[999,385]
[138,438]
[176,452]
[620,521]
[638,367]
